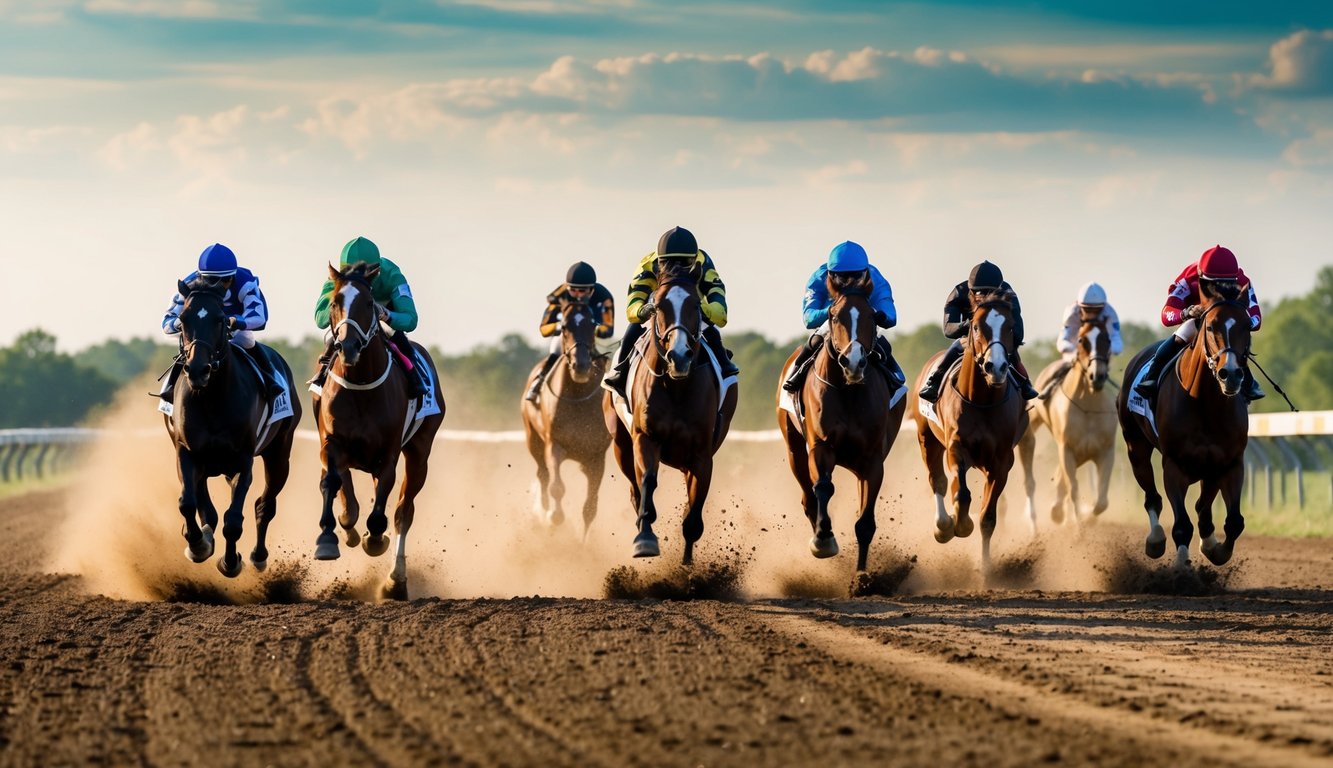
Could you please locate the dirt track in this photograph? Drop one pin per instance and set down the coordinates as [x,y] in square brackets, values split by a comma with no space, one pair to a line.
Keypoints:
[963,678]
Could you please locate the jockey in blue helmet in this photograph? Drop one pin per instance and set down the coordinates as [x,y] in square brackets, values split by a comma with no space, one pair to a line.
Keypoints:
[845,258]
[244,303]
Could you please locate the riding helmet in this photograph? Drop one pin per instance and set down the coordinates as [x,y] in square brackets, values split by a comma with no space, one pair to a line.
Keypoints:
[581,275]
[1218,263]
[985,276]
[360,249]
[217,260]
[848,257]
[677,242]
[1091,295]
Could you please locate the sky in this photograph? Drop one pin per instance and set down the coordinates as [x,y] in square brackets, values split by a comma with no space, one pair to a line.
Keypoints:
[487,145]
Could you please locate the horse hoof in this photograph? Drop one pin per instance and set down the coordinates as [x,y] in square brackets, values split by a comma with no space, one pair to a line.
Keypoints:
[326,546]
[393,590]
[352,538]
[645,545]
[1058,515]
[259,565]
[861,584]
[1155,545]
[375,545]
[557,517]
[1182,558]
[1217,554]
[944,535]
[963,528]
[823,547]
[230,572]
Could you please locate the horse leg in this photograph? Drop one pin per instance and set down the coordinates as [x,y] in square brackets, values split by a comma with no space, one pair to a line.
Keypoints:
[199,546]
[996,479]
[537,447]
[1103,465]
[865,524]
[376,543]
[594,467]
[625,460]
[277,467]
[932,453]
[1203,510]
[646,459]
[351,507]
[1175,483]
[330,479]
[1232,485]
[233,520]
[555,454]
[799,459]
[697,482]
[1066,491]
[1027,445]
[962,497]
[821,463]
[414,478]
[1140,460]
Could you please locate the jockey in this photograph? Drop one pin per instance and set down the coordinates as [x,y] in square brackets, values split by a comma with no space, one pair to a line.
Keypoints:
[244,303]
[985,278]
[580,287]
[675,243]
[1215,275]
[394,305]
[845,258]
[1091,306]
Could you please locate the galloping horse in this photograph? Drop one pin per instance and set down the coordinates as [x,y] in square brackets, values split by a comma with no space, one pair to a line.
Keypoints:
[1080,413]
[219,422]
[1201,425]
[977,420]
[566,420]
[365,421]
[679,416]
[847,418]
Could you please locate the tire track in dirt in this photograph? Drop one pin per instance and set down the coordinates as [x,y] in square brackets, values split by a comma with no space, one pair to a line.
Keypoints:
[1141,730]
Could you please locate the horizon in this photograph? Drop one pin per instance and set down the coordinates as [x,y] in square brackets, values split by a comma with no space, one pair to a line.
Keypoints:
[486,145]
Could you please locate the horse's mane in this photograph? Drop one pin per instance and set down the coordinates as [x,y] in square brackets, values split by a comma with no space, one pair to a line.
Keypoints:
[201,284]
[849,284]
[1219,290]
[998,296]
[355,273]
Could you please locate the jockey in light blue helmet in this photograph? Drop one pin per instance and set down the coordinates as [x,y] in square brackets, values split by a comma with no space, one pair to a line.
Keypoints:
[846,257]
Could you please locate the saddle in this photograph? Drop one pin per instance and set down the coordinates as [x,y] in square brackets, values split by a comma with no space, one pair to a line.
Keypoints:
[625,406]
[1141,405]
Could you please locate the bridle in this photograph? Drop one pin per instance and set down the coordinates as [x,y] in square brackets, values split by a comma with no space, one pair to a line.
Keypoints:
[216,351]
[365,335]
[660,335]
[1213,358]
[979,358]
[830,348]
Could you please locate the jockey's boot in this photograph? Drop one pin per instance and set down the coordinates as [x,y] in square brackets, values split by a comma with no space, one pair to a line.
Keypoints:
[323,372]
[930,388]
[536,385]
[173,373]
[417,383]
[714,340]
[1252,391]
[1058,376]
[1165,351]
[802,363]
[269,382]
[1021,377]
[883,357]
[615,378]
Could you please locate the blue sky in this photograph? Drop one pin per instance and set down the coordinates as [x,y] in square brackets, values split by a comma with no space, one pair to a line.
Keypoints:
[486,145]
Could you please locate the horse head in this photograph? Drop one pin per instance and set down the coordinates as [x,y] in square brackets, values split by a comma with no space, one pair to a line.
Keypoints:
[352,310]
[203,329]
[578,339]
[851,323]
[1224,333]
[991,335]
[1094,350]
[677,322]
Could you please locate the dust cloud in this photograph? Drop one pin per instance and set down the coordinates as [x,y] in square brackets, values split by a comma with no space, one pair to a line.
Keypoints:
[476,535]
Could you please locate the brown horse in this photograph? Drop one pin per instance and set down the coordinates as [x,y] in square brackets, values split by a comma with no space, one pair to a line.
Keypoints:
[847,422]
[980,417]
[566,420]
[679,415]
[364,423]
[1201,426]
[1080,412]
[218,423]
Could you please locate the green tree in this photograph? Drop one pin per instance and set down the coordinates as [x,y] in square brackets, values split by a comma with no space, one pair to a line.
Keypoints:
[46,388]
[484,385]
[122,361]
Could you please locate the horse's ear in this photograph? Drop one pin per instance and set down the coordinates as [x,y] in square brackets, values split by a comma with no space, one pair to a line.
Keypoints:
[865,283]
[371,272]
[183,287]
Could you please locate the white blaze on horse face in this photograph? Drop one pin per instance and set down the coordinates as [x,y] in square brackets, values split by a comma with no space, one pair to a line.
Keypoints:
[349,294]
[676,298]
[1093,333]
[997,354]
[854,352]
[1232,363]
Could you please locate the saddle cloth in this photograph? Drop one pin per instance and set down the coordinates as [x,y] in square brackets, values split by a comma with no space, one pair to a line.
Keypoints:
[625,406]
[927,408]
[1141,405]
[279,409]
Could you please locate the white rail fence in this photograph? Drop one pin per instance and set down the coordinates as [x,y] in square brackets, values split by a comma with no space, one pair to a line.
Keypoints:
[1282,443]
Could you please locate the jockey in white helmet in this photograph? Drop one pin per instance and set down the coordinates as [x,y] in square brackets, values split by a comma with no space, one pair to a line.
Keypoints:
[1090,306]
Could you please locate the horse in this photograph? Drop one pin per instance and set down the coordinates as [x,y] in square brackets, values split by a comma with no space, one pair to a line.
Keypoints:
[218,422]
[680,415]
[365,423]
[1201,426]
[566,422]
[847,418]
[980,418]
[1080,413]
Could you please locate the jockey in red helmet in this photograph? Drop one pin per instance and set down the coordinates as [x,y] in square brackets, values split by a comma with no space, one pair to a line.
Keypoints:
[1215,275]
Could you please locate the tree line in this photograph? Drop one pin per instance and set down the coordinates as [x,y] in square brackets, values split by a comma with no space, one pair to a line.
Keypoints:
[43,387]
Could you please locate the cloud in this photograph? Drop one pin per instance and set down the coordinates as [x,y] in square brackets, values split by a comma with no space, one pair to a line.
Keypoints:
[1314,151]
[1300,64]
[173,9]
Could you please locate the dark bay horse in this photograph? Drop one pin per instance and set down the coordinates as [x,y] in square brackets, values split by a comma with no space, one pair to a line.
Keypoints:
[1080,413]
[847,419]
[678,417]
[980,418]
[1201,425]
[218,424]
[363,420]
[566,420]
